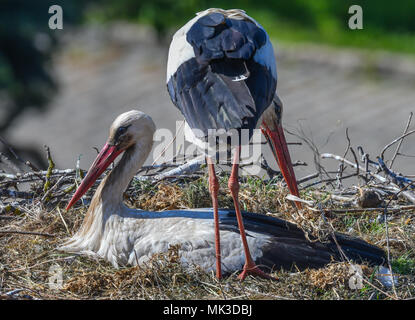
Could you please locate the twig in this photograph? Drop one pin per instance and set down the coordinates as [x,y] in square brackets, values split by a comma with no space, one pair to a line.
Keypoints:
[398,178]
[38,174]
[16,194]
[341,166]
[307,178]
[360,210]
[327,180]
[52,188]
[310,143]
[49,171]
[63,220]
[186,168]
[408,195]
[43,262]
[27,163]
[356,161]
[27,233]
[400,142]
[7,217]
[395,141]
[8,162]
[336,157]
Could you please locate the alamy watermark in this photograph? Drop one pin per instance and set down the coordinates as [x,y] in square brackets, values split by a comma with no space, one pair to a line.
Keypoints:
[356,277]
[56,18]
[55,280]
[356,18]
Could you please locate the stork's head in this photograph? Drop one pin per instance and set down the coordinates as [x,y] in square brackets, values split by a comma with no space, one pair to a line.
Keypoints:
[128,129]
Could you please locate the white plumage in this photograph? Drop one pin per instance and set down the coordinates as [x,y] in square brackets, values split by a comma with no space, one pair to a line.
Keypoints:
[127,237]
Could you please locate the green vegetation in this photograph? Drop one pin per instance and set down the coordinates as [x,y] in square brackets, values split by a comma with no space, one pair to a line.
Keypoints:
[404,264]
[386,25]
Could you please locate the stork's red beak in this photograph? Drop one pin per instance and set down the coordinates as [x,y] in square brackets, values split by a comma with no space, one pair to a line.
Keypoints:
[278,144]
[107,155]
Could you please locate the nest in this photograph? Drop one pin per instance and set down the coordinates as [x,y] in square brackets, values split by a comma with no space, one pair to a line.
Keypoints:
[379,208]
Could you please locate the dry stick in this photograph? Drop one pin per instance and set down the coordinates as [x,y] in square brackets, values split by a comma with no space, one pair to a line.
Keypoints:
[395,141]
[406,155]
[327,180]
[367,161]
[38,174]
[341,167]
[63,220]
[309,177]
[27,163]
[188,167]
[335,196]
[408,195]
[8,162]
[53,187]
[16,291]
[401,141]
[49,171]
[342,177]
[43,262]
[310,143]
[27,232]
[356,161]
[16,194]
[7,217]
[358,210]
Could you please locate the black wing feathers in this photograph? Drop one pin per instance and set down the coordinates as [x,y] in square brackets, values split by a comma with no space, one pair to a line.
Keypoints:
[288,245]
[222,87]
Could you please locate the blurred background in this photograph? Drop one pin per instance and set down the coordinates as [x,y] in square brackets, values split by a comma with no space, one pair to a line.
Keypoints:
[63,88]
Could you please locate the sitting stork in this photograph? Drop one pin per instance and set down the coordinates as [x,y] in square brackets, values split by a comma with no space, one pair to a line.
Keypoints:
[221,74]
[125,236]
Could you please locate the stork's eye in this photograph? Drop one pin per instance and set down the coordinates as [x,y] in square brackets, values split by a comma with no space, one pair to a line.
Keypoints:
[121,130]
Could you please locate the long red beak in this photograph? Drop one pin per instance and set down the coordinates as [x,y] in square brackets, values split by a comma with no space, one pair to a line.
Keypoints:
[279,148]
[102,161]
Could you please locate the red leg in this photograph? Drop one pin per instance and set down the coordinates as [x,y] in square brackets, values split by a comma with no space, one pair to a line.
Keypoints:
[214,189]
[250,267]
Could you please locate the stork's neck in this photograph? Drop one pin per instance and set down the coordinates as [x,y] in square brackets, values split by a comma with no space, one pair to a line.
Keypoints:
[117,181]
[108,198]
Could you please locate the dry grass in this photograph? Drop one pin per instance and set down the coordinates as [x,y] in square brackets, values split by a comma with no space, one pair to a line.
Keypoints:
[30,262]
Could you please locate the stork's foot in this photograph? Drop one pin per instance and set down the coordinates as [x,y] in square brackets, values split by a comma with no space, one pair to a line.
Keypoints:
[253,270]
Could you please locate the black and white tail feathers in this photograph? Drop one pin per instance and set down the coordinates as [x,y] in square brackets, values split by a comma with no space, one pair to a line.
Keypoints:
[288,246]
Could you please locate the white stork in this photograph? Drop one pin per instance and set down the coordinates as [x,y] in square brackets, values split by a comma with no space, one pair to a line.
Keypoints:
[221,74]
[125,236]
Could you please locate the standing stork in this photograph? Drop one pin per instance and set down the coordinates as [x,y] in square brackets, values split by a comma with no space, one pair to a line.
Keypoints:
[221,74]
[125,236]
